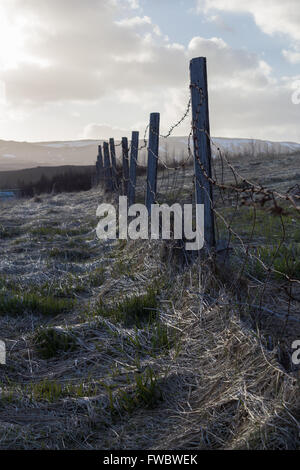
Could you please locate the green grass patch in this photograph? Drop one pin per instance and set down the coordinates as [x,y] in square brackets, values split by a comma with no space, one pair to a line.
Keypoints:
[9,232]
[162,338]
[122,268]
[145,392]
[53,230]
[70,255]
[52,391]
[267,228]
[50,342]
[286,261]
[131,311]
[67,287]
[97,277]
[11,304]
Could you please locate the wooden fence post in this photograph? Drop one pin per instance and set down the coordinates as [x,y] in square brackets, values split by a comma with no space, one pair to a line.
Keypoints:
[133,161]
[152,160]
[202,150]
[107,168]
[113,164]
[99,164]
[125,164]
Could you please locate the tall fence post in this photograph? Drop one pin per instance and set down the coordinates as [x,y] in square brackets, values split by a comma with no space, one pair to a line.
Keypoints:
[99,164]
[125,164]
[107,168]
[133,161]
[202,150]
[113,163]
[152,160]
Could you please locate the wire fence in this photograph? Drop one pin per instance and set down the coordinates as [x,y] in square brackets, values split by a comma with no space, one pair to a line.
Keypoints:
[253,240]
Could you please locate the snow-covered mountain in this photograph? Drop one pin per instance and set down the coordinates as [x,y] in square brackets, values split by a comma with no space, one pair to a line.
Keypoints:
[254,146]
[19,155]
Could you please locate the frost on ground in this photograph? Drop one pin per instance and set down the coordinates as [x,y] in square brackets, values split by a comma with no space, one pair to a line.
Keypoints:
[110,345]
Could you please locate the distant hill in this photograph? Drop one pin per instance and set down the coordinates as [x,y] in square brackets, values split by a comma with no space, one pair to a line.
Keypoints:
[21,155]
[10,179]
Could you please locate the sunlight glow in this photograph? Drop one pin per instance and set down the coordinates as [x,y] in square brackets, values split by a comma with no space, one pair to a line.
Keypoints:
[11,40]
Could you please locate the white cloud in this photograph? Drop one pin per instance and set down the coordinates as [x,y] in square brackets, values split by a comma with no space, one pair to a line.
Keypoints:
[292,56]
[230,68]
[85,45]
[134,4]
[2,93]
[116,64]
[134,21]
[272,16]
[220,23]
[102,132]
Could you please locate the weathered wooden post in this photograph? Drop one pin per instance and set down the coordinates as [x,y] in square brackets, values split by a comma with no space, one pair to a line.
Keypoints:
[152,160]
[133,161]
[99,164]
[125,164]
[113,164]
[202,150]
[107,168]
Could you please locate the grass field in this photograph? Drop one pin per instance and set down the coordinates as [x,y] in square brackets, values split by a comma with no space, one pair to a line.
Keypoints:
[120,345]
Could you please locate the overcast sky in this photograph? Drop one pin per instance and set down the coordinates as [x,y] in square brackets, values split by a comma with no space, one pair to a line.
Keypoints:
[73,69]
